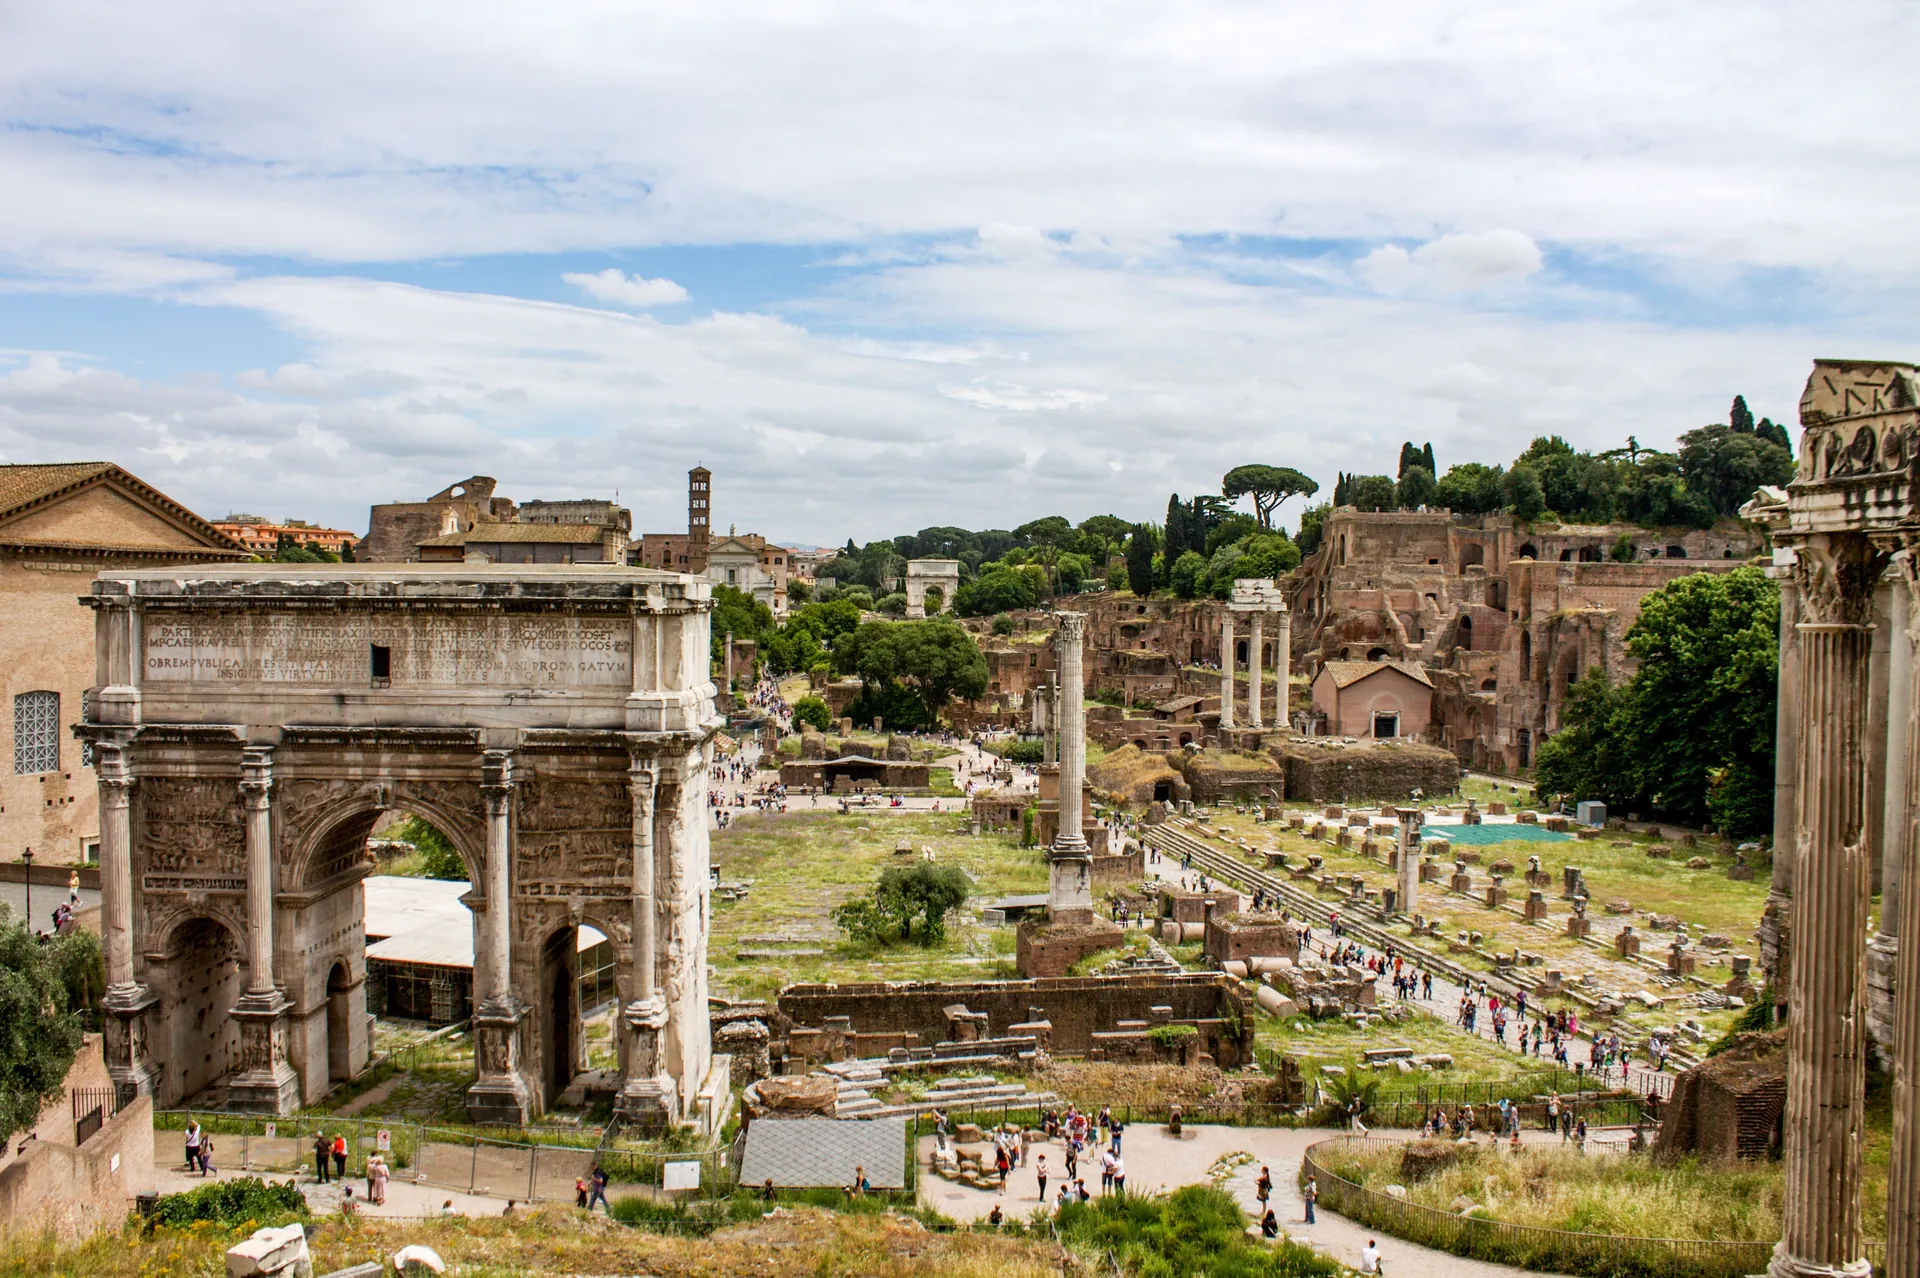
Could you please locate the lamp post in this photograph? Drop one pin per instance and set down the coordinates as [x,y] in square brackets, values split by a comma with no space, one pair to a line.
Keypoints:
[27,856]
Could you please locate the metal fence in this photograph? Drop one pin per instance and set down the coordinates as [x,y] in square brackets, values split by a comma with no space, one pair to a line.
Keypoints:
[531,1164]
[1530,1246]
[92,1107]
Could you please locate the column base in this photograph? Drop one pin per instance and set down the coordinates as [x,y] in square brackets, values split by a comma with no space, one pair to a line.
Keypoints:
[502,1093]
[133,1071]
[1785,1265]
[648,1099]
[266,1084]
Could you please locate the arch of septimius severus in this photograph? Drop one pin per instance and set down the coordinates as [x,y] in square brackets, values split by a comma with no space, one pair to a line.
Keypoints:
[250,724]
[1844,529]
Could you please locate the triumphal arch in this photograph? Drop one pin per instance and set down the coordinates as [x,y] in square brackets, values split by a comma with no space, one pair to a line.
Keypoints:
[249,726]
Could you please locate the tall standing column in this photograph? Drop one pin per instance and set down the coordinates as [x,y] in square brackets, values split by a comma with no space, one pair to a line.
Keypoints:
[1408,880]
[127,1001]
[256,788]
[1826,1033]
[646,1096]
[501,1093]
[1903,1190]
[1775,920]
[1283,669]
[1256,657]
[265,1083]
[1226,670]
[1070,865]
[1893,796]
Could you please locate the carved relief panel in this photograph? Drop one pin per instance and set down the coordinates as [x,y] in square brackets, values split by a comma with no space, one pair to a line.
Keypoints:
[190,834]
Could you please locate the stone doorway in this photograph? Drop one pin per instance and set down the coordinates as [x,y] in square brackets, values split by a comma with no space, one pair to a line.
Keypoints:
[339,1026]
[561,1047]
[202,967]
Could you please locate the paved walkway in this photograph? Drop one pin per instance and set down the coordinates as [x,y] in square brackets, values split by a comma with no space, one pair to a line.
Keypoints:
[1156,1161]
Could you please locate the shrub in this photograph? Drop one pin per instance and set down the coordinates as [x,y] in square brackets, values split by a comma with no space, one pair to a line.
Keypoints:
[1003,624]
[1195,1230]
[231,1202]
[1033,750]
[814,711]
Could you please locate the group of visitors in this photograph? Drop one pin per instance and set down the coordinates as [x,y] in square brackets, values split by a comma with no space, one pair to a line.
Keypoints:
[591,1189]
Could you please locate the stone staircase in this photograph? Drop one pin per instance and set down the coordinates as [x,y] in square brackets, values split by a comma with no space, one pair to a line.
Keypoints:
[960,1091]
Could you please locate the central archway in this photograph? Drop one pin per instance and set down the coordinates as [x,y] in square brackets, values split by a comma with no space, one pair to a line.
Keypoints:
[202,960]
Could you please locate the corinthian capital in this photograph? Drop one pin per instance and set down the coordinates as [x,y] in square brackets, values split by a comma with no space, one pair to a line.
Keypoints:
[256,776]
[1072,627]
[1836,574]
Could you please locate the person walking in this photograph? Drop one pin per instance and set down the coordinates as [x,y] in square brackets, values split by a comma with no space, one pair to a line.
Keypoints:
[193,1143]
[1040,1174]
[381,1173]
[1310,1194]
[1263,1187]
[340,1156]
[322,1147]
[597,1188]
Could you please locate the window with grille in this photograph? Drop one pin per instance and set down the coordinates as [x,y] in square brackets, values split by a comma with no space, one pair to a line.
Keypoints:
[36,732]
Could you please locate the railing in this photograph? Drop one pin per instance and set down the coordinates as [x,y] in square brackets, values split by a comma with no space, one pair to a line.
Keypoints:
[534,1164]
[92,1107]
[1598,1112]
[1532,1246]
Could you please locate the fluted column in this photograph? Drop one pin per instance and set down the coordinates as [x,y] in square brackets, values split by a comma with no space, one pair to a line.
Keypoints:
[645,1096]
[1892,798]
[1226,670]
[1256,657]
[1826,1032]
[498,933]
[1776,917]
[256,788]
[1408,871]
[1283,669]
[1070,865]
[116,866]
[502,1092]
[1903,1190]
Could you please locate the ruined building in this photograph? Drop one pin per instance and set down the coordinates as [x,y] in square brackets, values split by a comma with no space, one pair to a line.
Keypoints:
[467,523]
[1503,618]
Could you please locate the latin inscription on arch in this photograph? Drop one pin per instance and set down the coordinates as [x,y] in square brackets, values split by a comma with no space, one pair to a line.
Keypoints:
[438,651]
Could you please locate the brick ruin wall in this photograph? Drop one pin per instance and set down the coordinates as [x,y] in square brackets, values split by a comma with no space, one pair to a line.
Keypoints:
[1381,773]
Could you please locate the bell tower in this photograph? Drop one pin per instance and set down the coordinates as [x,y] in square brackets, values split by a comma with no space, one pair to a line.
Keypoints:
[699,513]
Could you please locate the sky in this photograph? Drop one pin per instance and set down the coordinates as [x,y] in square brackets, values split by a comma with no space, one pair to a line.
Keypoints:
[883,266]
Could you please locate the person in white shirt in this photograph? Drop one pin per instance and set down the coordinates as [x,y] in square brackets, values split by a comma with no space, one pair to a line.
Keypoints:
[1370,1258]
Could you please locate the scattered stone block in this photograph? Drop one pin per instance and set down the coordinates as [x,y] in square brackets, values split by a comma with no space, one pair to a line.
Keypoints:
[1536,907]
[1619,905]
[1699,863]
[280,1252]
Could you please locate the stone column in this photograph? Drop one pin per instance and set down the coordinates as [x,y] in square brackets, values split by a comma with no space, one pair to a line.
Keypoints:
[256,785]
[1408,895]
[266,1083]
[1903,1190]
[646,1096]
[1883,947]
[729,648]
[1256,657]
[1070,887]
[1775,939]
[1282,669]
[127,1001]
[501,1093]
[1826,1033]
[1226,670]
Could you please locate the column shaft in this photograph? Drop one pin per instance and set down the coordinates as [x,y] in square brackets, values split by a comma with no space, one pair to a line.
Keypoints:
[1226,670]
[498,789]
[1775,940]
[644,913]
[116,864]
[256,786]
[1283,670]
[1073,732]
[1826,1032]
[1903,1190]
[1256,657]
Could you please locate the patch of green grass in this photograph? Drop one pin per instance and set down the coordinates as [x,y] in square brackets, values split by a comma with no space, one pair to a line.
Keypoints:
[802,864]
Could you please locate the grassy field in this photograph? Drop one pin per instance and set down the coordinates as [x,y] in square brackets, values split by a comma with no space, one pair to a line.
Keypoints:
[802,864]
[1619,1194]
[1332,1042]
[796,1243]
[1615,867]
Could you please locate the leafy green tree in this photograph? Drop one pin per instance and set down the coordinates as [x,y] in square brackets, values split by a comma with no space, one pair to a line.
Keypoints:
[814,711]
[1235,527]
[1524,495]
[1003,624]
[1312,520]
[893,605]
[40,1030]
[859,596]
[1583,760]
[1186,574]
[738,613]
[1269,486]
[909,669]
[1140,549]
[439,858]
[1416,489]
[1472,489]
[997,589]
[1371,492]
[1624,551]
[1725,465]
[1740,417]
[1073,571]
[798,592]
[1269,555]
[925,891]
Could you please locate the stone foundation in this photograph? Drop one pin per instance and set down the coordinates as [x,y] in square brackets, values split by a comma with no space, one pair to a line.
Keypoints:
[1049,949]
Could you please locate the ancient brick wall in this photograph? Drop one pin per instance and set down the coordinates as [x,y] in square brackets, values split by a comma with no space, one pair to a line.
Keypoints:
[1387,772]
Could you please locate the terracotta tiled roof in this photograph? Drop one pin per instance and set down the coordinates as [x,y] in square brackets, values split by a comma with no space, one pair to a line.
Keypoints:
[563,534]
[25,486]
[1346,673]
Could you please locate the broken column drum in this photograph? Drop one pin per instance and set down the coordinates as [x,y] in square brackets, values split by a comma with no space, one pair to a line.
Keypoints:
[1070,862]
[251,724]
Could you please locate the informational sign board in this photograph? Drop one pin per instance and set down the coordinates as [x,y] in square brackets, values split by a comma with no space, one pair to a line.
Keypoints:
[383,1141]
[682,1175]
[273,1129]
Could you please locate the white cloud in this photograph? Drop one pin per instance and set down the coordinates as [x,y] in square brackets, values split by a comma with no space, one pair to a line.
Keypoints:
[617,286]
[1454,263]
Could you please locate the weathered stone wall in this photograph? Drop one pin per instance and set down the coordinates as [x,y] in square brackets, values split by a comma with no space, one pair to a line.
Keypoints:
[1076,1007]
[1387,772]
[1209,779]
[1728,1107]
